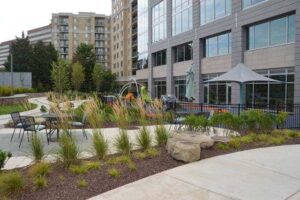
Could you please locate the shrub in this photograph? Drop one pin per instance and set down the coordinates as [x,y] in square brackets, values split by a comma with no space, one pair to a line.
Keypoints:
[195,123]
[40,169]
[68,151]
[114,173]
[100,145]
[37,148]
[161,135]
[11,182]
[223,146]
[144,138]
[6,90]
[40,182]
[78,169]
[122,143]
[82,183]
[246,139]
[3,156]
[151,152]
[140,155]
[262,138]
[281,118]
[92,165]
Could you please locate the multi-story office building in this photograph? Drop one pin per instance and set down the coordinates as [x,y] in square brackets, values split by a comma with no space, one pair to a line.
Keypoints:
[70,30]
[216,35]
[4,51]
[121,39]
[43,34]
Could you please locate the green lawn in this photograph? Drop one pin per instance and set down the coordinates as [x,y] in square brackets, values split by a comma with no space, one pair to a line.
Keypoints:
[7,109]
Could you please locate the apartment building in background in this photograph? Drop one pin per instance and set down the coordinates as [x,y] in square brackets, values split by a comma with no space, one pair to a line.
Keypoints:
[215,36]
[70,30]
[121,36]
[43,34]
[4,51]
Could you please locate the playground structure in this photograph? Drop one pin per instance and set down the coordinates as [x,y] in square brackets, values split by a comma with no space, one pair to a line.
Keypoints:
[134,90]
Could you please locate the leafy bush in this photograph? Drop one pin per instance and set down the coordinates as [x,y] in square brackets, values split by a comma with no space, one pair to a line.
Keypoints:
[37,147]
[68,150]
[246,139]
[234,143]
[223,146]
[40,182]
[100,145]
[277,140]
[11,183]
[281,118]
[122,143]
[40,169]
[3,156]
[143,138]
[161,135]
[196,123]
[114,173]
[82,183]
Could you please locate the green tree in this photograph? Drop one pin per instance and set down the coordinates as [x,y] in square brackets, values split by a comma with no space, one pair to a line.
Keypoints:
[77,75]
[42,58]
[22,54]
[60,75]
[103,79]
[85,55]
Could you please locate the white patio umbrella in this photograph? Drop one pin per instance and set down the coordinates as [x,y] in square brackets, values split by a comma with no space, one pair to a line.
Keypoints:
[190,83]
[241,74]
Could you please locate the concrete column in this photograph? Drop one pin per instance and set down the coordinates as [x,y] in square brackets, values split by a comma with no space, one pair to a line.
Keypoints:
[170,60]
[297,57]
[150,68]
[238,47]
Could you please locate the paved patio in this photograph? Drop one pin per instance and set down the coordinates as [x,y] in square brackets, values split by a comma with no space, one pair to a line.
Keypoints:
[267,174]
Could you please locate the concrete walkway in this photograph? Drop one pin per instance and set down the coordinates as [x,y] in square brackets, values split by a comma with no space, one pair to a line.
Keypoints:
[267,174]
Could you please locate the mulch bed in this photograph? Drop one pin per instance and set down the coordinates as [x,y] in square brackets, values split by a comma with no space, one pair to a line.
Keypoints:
[99,181]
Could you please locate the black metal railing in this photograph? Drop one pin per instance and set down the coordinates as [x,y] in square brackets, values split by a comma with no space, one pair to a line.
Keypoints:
[293,120]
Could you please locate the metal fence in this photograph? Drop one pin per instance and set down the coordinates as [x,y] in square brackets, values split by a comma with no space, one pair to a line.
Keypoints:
[293,120]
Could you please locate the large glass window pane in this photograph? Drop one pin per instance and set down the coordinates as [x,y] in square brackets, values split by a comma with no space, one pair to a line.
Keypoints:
[249,94]
[228,7]
[278,31]
[164,58]
[277,94]
[246,3]
[251,38]
[291,28]
[212,94]
[260,94]
[220,6]
[209,10]
[185,20]
[213,46]
[180,54]
[188,51]
[221,93]
[202,12]
[261,33]
[223,44]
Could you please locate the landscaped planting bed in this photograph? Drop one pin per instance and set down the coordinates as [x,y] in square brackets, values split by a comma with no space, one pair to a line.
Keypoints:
[62,183]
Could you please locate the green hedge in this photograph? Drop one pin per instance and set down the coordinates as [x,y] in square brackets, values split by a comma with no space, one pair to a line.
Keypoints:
[6,91]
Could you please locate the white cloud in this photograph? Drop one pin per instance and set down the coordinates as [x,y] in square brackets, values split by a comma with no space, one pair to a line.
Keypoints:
[19,15]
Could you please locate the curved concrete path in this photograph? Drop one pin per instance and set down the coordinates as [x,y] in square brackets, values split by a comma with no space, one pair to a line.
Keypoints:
[268,174]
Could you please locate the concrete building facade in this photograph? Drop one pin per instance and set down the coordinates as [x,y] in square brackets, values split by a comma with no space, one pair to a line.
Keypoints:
[4,51]
[215,36]
[43,34]
[70,30]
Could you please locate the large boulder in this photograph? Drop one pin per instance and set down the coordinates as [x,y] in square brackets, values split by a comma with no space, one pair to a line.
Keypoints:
[203,140]
[185,151]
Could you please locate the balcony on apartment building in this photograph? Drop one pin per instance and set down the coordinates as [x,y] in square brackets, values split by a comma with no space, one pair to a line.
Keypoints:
[63,21]
[64,44]
[100,23]
[63,29]
[99,30]
[99,37]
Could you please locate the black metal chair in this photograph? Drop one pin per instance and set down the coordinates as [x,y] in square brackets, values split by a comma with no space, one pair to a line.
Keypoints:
[81,125]
[29,125]
[16,118]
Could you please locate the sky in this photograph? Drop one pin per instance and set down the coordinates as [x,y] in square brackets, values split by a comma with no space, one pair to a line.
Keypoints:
[22,15]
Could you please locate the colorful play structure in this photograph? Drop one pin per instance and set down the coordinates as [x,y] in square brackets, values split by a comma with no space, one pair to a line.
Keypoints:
[133,90]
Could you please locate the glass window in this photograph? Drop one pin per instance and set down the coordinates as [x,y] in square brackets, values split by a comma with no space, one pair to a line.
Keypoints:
[159,58]
[159,23]
[291,28]
[214,9]
[278,31]
[247,3]
[160,88]
[182,16]
[183,52]
[218,45]
[274,32]
[180,89]
[261,34]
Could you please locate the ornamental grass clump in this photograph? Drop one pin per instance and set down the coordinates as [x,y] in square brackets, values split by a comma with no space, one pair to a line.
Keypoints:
[94,114]
[68,150]
[3,156]
[37,148]
[120,115]
[100,145]
[115,173]
[122,143]
[82,183]
[143,138]
[40,169]
[11,183]
[161,135]
[40,182]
